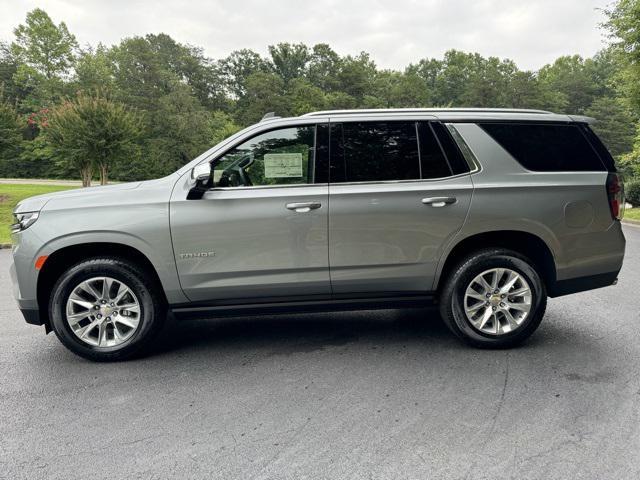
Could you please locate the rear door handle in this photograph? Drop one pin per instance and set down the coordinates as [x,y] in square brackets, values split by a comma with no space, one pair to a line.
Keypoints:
[439,201]
[303,207]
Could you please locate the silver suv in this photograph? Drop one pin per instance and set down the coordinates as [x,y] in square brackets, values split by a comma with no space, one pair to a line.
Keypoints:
[487,212]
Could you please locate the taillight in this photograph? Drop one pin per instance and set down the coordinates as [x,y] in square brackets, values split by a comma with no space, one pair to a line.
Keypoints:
[615,193]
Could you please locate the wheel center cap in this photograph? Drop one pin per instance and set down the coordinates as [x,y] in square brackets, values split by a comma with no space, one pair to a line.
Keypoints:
[106,310]
[495,300]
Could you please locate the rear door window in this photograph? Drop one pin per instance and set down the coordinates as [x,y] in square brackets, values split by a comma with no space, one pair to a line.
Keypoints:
[546,147]
[376,151]
[391,150]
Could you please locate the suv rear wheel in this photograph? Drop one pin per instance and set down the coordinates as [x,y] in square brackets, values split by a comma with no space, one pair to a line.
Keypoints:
[106,309]
[493,298]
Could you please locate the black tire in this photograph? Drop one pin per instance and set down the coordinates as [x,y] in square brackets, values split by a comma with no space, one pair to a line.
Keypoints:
[452,297]
[152,308]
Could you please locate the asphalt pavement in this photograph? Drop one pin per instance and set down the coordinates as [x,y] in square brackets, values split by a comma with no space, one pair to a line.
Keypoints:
[368,395]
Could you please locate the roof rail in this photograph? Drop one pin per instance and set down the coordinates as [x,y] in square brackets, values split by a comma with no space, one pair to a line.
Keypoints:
[424,110]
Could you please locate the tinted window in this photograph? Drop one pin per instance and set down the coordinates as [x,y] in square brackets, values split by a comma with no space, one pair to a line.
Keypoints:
[596,143]
[454,156]
[376,151]
[279,157]
[432,161]
[546,147]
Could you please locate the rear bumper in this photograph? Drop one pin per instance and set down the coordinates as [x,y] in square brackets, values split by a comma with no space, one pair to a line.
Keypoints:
[581,284]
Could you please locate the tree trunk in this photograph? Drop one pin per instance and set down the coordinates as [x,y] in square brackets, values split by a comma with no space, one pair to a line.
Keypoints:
[86,177]
[104,174]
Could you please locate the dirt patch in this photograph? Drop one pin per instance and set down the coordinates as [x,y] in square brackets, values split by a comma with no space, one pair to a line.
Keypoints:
[4,198]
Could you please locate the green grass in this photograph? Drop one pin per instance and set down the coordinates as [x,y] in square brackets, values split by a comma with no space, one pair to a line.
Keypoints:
[10,195]
[632,214]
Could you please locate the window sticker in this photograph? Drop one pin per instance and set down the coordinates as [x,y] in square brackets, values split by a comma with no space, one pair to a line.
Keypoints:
[283,165]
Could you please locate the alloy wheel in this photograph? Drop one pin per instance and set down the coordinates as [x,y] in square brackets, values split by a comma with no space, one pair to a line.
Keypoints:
[103,312]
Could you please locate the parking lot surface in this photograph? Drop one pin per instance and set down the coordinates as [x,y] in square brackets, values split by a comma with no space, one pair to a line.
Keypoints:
[368,395]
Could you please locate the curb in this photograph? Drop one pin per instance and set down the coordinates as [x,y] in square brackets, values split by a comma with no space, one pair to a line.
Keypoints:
[635,223]
[5,245]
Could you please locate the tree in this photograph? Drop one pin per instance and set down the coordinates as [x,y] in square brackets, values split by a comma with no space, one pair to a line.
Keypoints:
[93,131]
[236,69]
[94,70]
[399,90]
[624,26]
[264,93]
[289,60]
[323,67]
[571,76]
[45,55]
[614,125]
[10,137]
[178,131]
[222,126]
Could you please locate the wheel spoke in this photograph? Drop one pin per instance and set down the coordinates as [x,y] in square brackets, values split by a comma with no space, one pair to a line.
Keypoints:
[513,324]
[475,308]
[511,280]
[519,292]
[485,317]
[76,317]
[130,322]
[523,307]
[84,331]
[87,287]
[481,280]
[496,278]
[102,334]
[89,319]
[82,303]
[106,287]
[478,296]
[122,291]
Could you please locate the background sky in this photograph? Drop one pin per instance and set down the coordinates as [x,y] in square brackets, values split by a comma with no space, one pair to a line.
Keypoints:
[394,32]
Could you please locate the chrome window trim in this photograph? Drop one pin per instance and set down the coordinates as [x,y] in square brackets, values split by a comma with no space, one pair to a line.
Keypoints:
[266,187]
[417,180]
[472,162]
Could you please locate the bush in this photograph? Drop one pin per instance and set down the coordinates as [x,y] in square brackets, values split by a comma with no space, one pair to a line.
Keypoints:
[632,192]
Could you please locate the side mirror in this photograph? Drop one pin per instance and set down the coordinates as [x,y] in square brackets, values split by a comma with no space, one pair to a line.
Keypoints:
[201,173]
[201,181]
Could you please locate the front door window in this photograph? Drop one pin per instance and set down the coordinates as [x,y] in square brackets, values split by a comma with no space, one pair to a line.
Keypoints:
[278,157]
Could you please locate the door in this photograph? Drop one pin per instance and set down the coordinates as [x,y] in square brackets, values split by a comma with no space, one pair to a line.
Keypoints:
[261,232]
[398,192]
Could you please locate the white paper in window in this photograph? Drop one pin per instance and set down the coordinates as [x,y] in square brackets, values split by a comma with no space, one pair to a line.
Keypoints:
[283,165]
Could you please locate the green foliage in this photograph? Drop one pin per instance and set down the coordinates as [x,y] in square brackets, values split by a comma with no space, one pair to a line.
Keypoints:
[93,132]
[44,53]
[186,102]
[624,26]
[632,193]
[630,162]
[614,126]
[10,137]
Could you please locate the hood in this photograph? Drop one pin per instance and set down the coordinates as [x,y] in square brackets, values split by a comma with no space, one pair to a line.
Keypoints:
[36,203]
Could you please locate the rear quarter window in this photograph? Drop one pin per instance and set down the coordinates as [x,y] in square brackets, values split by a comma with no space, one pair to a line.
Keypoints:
[546,147]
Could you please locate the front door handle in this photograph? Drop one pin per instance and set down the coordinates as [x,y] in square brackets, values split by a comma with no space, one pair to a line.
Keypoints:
[439,201]
[303,207]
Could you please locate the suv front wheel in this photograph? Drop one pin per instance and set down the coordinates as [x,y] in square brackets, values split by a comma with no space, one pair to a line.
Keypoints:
[493,298]
[106,309]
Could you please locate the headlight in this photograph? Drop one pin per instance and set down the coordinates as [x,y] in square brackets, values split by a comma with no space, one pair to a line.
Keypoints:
[23,221]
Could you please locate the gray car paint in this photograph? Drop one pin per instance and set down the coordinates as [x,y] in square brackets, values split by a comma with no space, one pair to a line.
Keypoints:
[263,250]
